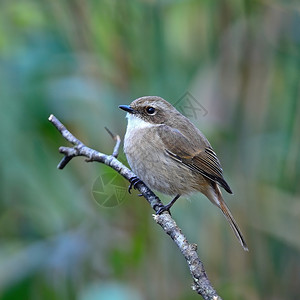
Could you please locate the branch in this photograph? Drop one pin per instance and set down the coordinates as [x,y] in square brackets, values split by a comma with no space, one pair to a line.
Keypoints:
[201,285]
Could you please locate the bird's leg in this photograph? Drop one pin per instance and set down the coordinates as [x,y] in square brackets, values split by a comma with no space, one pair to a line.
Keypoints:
[168,206]
[133,181]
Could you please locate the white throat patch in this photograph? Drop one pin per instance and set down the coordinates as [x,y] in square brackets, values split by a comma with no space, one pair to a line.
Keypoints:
[135,122]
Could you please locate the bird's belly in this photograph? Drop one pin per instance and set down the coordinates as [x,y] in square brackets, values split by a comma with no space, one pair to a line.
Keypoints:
[149,161]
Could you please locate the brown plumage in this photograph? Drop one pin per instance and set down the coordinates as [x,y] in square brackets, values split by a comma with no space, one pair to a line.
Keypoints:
[171,155]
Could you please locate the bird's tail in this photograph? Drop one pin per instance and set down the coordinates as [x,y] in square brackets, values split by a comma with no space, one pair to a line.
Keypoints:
[226,212]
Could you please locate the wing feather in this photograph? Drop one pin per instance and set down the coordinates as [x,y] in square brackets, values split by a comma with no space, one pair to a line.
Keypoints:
[196,155]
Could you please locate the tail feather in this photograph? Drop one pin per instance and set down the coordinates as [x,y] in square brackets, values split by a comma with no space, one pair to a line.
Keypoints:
[226,212]
[217,199]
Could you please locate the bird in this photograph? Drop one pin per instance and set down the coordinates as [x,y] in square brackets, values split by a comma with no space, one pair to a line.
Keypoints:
[172,156]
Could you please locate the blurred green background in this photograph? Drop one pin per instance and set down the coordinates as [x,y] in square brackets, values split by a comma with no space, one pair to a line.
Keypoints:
[79,60]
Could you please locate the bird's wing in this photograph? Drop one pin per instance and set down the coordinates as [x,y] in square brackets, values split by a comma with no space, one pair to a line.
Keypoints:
[197,156]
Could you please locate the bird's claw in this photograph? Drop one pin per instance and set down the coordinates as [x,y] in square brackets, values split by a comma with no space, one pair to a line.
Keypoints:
[163,209]
[133,182]
[167,207]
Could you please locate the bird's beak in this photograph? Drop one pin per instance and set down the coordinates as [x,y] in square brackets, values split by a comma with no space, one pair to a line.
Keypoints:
[127,108]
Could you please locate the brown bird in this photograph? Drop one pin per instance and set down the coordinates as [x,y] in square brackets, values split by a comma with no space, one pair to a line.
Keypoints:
[170,155]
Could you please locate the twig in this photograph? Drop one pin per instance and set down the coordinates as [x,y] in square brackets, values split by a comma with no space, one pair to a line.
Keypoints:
[201,285]
[118,142]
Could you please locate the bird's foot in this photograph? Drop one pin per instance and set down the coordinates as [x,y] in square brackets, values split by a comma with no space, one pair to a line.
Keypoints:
[163,209]
[167,207]
[133,182]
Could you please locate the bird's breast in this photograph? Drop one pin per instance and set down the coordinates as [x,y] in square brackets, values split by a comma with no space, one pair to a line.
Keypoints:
[147,157]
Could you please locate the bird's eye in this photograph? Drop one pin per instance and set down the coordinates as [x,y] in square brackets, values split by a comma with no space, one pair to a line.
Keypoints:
[150,110]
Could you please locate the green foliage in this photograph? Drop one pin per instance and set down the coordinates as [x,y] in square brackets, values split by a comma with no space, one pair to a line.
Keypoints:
[79,60]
